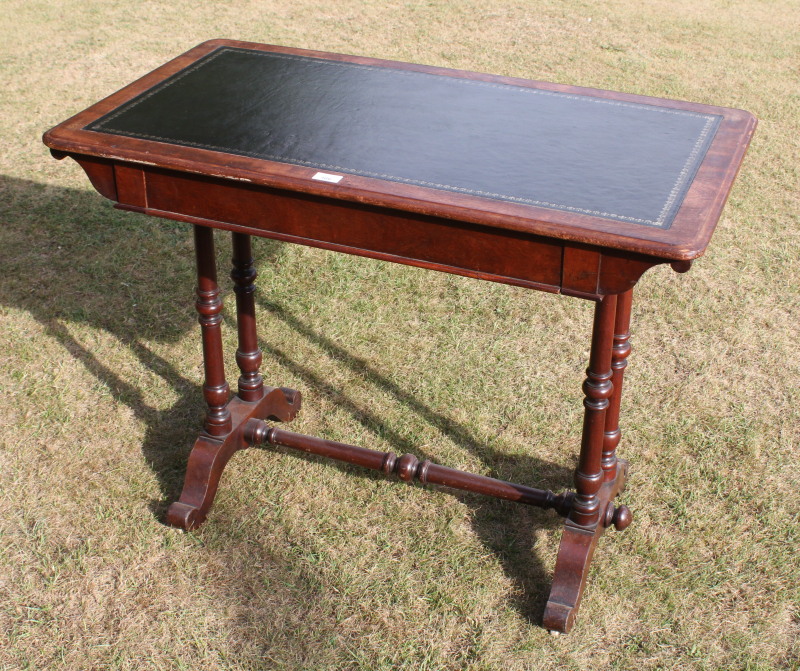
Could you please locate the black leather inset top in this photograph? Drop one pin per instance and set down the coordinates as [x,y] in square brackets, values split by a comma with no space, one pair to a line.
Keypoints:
[626,161]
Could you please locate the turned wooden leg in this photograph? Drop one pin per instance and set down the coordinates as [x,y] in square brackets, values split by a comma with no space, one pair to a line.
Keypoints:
[619,361]
[209,307]
[597,390]
[224,423]
[248,355]
[592,510]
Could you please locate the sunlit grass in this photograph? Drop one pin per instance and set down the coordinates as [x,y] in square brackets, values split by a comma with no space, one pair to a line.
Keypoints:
[305,564]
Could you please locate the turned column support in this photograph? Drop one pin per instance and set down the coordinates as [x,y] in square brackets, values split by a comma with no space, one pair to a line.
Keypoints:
[248,354]
[209,308]
[598,390]
[619,361]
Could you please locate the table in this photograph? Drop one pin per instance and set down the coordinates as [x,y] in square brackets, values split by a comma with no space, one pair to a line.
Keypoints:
[551,187]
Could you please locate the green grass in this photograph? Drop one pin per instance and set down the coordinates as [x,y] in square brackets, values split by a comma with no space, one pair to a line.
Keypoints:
[306,564]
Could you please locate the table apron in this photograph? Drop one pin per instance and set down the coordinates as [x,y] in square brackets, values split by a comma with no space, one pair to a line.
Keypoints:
[452,246]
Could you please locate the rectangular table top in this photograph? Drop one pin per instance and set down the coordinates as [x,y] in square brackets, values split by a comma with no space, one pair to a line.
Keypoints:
[618,170]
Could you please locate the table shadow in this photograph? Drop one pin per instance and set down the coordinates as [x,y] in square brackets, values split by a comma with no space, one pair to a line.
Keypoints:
[58,246]
[507,529]
[61,243]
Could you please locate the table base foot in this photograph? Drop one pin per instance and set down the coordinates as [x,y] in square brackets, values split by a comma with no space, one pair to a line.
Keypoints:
[575,556]
[210,454]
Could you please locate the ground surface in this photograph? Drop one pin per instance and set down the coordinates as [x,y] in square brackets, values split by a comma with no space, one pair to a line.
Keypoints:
[308,565]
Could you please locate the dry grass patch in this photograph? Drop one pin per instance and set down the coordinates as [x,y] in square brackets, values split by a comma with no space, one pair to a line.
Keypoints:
[309,565]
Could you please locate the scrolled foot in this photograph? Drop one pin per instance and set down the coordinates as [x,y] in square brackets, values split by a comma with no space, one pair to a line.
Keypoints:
[558,618]
[210,454]
[575,556]
[184,516]
[293,397]
[281,404]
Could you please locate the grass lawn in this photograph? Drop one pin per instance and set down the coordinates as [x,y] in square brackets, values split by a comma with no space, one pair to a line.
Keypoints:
[306,564]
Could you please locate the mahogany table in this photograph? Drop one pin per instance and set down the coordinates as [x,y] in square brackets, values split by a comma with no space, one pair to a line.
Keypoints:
[557,188]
